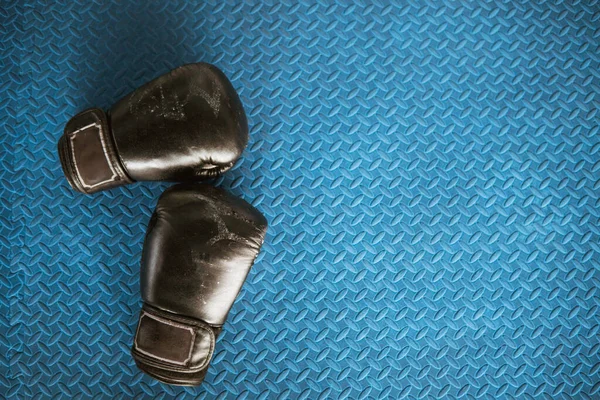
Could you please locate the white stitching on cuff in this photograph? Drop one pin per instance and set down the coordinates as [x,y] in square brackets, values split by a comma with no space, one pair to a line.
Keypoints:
[104,150]
[167,322]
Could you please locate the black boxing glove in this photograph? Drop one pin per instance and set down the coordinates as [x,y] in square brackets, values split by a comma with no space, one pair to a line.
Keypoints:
[186,125]
[201,243]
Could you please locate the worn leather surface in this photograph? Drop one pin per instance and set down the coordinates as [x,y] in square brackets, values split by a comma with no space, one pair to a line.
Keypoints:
[200,245]
[185,125]
[429,170]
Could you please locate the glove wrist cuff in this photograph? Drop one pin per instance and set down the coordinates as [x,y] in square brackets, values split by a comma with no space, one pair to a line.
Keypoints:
[171,348]
[88,154]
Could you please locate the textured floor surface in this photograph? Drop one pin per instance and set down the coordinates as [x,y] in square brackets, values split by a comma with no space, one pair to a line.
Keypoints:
[430,171]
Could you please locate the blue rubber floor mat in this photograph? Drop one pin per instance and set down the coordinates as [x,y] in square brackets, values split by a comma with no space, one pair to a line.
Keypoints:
[429,169]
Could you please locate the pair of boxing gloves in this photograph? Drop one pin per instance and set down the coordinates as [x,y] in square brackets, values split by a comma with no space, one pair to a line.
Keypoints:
[201,241]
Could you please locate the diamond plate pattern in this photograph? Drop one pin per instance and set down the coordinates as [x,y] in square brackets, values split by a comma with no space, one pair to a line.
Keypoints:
[429,170]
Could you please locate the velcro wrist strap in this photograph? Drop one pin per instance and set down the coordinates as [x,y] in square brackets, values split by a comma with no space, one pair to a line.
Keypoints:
[167,341]
[88,153]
